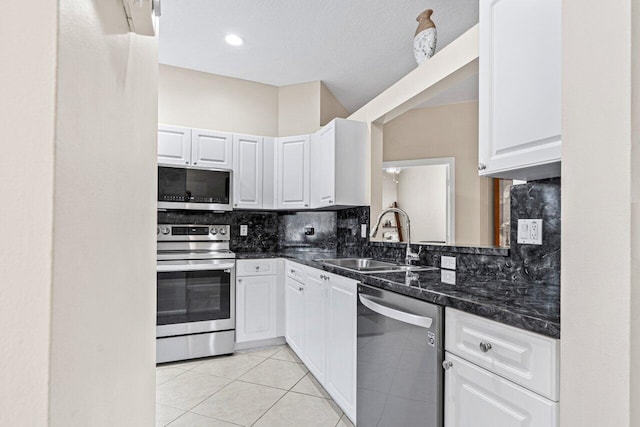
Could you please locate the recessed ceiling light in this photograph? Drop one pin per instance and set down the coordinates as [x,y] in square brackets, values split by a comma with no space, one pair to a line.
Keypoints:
[233,40]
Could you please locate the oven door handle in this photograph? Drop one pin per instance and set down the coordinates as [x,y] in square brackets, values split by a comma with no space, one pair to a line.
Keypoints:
[195,267]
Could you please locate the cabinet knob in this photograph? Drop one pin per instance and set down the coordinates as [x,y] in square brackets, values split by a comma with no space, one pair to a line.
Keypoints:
[257,267]
[330,201]
[306,205]
[446,365]
[239,280]
[292,271]
[481,166]
[195,163]
[301,289]
[235,204]
[186,163]
[485,347]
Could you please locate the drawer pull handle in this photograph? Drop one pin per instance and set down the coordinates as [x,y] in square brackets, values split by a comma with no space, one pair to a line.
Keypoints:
[485,347]
[446,365]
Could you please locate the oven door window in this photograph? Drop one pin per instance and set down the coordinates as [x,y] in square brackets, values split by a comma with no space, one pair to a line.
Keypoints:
[193,296]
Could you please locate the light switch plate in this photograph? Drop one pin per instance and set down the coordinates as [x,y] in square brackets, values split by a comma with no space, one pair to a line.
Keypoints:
[448,276]
[448,262]
[363,231]
[530,231]
[244,230]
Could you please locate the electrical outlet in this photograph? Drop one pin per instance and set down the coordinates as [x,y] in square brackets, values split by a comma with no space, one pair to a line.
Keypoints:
[309,231]
[530,231]
[448,276]
[448,262]
[363,231]
[244,230]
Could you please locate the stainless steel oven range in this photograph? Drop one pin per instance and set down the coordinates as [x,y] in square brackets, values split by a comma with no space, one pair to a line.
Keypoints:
[196,292]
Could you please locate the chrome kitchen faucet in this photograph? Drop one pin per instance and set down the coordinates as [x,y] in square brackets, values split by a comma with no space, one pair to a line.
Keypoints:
[410,256]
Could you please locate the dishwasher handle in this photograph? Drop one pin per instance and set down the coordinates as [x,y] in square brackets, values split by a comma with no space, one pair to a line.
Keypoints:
[401,316]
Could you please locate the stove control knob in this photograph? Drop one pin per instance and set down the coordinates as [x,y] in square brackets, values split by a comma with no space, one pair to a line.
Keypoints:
[165,230]
[223,231]
[213,231]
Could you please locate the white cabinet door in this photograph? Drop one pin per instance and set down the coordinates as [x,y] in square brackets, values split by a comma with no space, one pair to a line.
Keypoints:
[294,315]
[474,397]
[256,313]
[520,88]
[211,149]
[341,343]
[293,172]
[174,145]
[323,164]
[247,171]
[315,327]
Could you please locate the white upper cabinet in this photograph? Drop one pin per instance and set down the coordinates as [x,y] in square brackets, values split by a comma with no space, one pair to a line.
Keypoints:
[174,145]
[520,88]
[248,158]
[292,169]
[211,149]
[269,176]
[338,164]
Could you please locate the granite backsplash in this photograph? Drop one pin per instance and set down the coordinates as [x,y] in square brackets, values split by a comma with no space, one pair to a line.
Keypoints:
[341,231]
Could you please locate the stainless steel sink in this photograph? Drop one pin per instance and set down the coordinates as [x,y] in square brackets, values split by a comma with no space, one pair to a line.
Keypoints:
[369,265]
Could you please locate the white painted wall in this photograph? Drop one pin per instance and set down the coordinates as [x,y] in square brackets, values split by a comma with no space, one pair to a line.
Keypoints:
[27,115]
[600,354]
[103,314]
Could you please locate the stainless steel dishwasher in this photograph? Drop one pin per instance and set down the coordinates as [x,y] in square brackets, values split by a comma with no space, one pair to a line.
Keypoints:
[400,353]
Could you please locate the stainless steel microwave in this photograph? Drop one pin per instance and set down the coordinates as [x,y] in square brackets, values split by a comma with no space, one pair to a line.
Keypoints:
[194,189]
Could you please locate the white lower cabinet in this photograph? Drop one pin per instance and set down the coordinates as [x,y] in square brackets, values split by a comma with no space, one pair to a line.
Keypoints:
[258,300]
[342,342]
[320,313]
[294,315]
[475,397]
[315,306]
[498,375]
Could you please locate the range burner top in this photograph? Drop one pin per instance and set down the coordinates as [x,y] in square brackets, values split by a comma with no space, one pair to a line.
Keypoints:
[193,241]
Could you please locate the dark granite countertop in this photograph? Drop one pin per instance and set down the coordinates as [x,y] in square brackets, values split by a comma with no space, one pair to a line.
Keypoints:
[533,306]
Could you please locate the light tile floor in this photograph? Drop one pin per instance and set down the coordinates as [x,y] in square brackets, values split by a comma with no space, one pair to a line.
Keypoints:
[267,387]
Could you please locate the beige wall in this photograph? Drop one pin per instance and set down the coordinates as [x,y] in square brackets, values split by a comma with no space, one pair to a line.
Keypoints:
[600,358]
[27,115]
[299,109]
[202,100]
[448,131]
[330,107]
[103,314]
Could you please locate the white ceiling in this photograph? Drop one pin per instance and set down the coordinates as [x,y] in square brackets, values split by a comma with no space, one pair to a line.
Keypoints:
[357,48]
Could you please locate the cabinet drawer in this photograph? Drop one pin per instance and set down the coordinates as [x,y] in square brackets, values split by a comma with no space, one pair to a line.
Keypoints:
[475,397]
[296,271]
[256,267]
[523,357]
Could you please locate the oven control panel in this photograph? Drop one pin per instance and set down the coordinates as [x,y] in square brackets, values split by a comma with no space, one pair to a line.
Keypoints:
[193,232]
